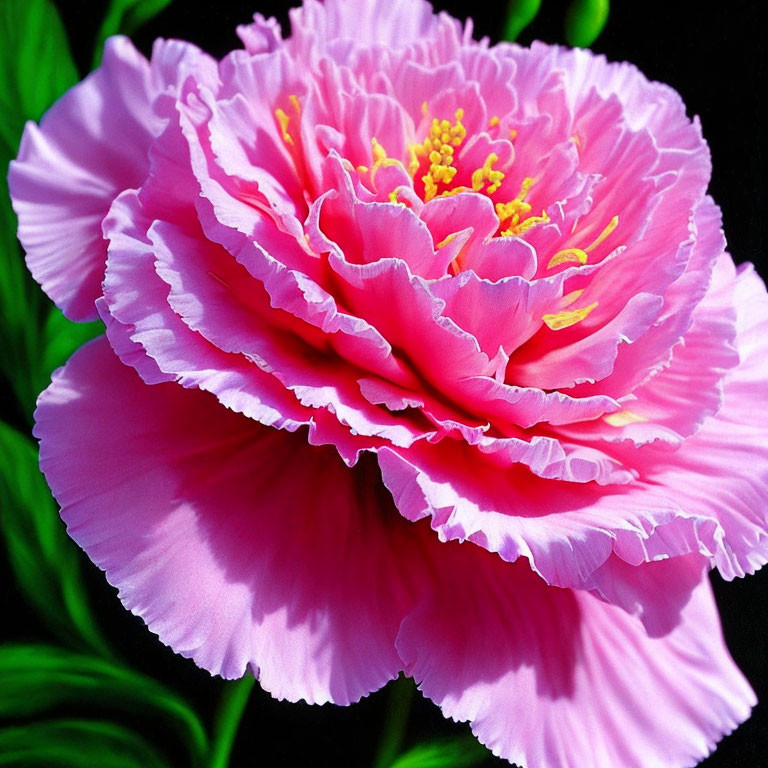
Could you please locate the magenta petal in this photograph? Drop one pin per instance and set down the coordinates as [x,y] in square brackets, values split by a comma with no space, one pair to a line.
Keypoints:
[240,546]
[549,677]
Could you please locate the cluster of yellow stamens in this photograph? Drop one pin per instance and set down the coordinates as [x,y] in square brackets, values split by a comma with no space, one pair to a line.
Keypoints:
[514,214]
[439,147]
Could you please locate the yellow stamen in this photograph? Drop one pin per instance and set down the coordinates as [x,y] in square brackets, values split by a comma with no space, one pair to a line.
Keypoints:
[445,242]
[567,317]
[569,255]
[486,173]
[494,121]
[612,224]
[622,418]
[454,191]
[512,134]
[294,99]
[283,119]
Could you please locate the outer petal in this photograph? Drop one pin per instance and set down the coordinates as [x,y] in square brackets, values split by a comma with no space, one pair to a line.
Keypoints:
[239,545]
[551,677]
[91,145]
[728,457]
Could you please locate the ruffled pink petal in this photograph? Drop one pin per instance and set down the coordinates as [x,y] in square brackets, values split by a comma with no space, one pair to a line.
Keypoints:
[550,677]
[366,22]
[211,293]
[263,35]
[728,456]
[471,494]
[91,145]
[137,298]
[673,404]
[241,546]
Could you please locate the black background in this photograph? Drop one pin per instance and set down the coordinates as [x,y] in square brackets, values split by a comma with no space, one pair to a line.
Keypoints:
[716,60]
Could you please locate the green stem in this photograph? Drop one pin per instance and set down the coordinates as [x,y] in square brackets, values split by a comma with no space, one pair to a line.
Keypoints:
[393,734]
[231,708]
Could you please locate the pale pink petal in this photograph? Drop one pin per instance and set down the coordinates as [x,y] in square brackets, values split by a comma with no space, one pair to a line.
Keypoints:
[728,456]
[261,36]
[550,677]
[241,546]
[91,145]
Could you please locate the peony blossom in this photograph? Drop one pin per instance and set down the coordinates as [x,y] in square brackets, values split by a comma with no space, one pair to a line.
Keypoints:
[421,355]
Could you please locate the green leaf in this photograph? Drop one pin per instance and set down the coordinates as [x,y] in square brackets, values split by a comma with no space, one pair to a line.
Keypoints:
[584,21]
[125,17]
[76,744]
[520,13]
[42,557]
[36,679]
[460,752]
[36,66]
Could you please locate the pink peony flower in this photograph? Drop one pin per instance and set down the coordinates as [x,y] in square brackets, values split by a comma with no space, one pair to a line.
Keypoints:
[421,355]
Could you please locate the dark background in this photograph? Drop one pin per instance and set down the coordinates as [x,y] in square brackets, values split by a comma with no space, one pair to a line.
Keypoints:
[716,60]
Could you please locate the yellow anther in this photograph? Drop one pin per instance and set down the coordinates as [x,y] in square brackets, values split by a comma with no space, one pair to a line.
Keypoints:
[494,121]
[622,418]
[447,240]
[379,155]
[424,108]
[393,197]
[294,99]
[413,164]
[283,119]
[567,317]
[569,255]
[454,191]
[487,174]
[516,212]
[612,224]
[512,134]
[530,223]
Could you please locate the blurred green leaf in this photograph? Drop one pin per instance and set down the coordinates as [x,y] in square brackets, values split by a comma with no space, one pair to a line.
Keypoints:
[520,13]
[36,66]
[43,559]
[584,21]
[460,752]
[76,744]
[36,679]
[124,17]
